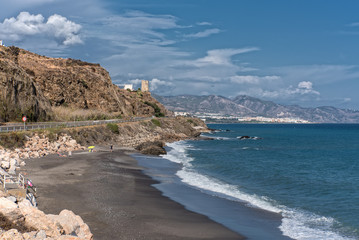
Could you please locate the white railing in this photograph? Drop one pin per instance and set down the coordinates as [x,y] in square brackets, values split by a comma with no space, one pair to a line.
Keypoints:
[19,182]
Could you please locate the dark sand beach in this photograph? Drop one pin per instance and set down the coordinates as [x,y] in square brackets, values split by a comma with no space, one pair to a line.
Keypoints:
[113,196]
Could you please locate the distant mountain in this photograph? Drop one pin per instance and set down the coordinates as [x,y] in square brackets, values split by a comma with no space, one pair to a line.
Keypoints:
[203,104]
[246,106]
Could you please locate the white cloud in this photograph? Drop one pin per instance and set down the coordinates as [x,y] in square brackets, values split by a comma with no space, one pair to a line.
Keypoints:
[355,24]
[26,24]
[205,33]
[303,91]
[204,24]
[252,79]
[305,85]
[133,28]
[222,56]
[157,84]
[64,29]
[319,74]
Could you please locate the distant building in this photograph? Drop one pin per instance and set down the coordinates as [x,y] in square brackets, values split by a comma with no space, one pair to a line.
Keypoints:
[128,86]
[1,43]
[144,86]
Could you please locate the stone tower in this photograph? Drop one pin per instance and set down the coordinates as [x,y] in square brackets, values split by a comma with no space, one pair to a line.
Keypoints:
[144,86]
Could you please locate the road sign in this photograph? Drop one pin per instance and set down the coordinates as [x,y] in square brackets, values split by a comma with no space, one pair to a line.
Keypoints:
[24,118]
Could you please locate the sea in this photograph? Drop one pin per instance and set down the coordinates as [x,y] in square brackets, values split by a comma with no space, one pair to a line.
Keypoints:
[281,181]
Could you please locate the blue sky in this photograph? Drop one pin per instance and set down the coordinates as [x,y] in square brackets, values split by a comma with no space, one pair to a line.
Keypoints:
[290,52]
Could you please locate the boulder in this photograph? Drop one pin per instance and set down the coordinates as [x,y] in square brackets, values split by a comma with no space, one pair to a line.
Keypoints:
[10,209]
[5,164]
[152,148]
[7,204]
[12,234]
[244,137]
[72,224]
[13,162]
[37,219]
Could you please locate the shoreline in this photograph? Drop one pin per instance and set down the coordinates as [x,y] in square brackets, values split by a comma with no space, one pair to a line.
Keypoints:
[252,222]
[113,195]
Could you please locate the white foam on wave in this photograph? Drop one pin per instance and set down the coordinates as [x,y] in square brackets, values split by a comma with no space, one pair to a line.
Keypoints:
[297,224]
[178,153]
[225,190]
[217,138]
[303,225]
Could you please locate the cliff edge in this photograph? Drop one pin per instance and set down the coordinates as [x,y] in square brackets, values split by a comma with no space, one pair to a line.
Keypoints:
[34,85]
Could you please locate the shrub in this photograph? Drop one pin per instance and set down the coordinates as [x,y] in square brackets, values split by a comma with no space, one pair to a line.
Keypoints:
[12,140]
[158,112]
[113,127]
[156,122]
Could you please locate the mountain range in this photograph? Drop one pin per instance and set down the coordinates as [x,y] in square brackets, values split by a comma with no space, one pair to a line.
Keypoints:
[246,106]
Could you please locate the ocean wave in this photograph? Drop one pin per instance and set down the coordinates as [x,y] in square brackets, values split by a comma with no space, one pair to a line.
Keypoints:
[296,223]
[217,138]
[224,190]
[302,225]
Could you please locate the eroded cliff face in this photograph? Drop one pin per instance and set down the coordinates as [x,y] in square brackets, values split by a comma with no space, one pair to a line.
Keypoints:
[73,83]
[32,84]
[18,92]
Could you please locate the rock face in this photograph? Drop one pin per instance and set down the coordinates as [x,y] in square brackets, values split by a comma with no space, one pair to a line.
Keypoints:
[152,148]
[135,133]
[31,84]
[18,92]
[73,83]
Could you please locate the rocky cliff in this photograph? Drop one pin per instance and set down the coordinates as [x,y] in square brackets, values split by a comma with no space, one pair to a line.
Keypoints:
[18,92]
[34,83]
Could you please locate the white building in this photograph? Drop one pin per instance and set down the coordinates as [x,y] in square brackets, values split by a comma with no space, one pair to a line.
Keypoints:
[1,43]
[128,86]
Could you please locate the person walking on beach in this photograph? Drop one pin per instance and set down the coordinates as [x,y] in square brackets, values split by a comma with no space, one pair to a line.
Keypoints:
[111,148]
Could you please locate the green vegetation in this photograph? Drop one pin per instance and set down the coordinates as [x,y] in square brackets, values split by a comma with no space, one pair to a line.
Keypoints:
[113,128]
[83,82]
[158,112]
[72,114]
[156,122]
[12,140]
[192,122]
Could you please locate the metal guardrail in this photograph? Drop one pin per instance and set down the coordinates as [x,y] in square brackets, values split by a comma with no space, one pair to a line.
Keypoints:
[12,182]
[33,126]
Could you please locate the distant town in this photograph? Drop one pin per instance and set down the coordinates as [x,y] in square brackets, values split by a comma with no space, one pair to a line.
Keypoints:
[217,118]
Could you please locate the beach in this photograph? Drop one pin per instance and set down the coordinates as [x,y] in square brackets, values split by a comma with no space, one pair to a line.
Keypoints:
[115,198]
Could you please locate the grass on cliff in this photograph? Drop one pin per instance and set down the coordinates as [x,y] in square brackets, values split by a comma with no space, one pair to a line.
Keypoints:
[156,122]
[155,107]
[72,114]
[12,140]
[113,128]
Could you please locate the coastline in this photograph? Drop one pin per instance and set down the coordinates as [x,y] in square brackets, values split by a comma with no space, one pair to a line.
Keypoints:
[116,199]
[252,222]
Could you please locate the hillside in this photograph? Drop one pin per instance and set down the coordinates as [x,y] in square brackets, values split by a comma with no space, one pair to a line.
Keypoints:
[34,85]
[246,106]
[203,104]
[18,92]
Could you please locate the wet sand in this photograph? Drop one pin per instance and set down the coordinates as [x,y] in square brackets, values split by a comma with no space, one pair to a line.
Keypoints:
[113,196]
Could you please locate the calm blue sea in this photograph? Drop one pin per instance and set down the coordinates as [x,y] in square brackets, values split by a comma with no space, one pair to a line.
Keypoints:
[308,174]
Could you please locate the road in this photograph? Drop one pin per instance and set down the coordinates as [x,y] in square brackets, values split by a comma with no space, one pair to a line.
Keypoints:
[16,127]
